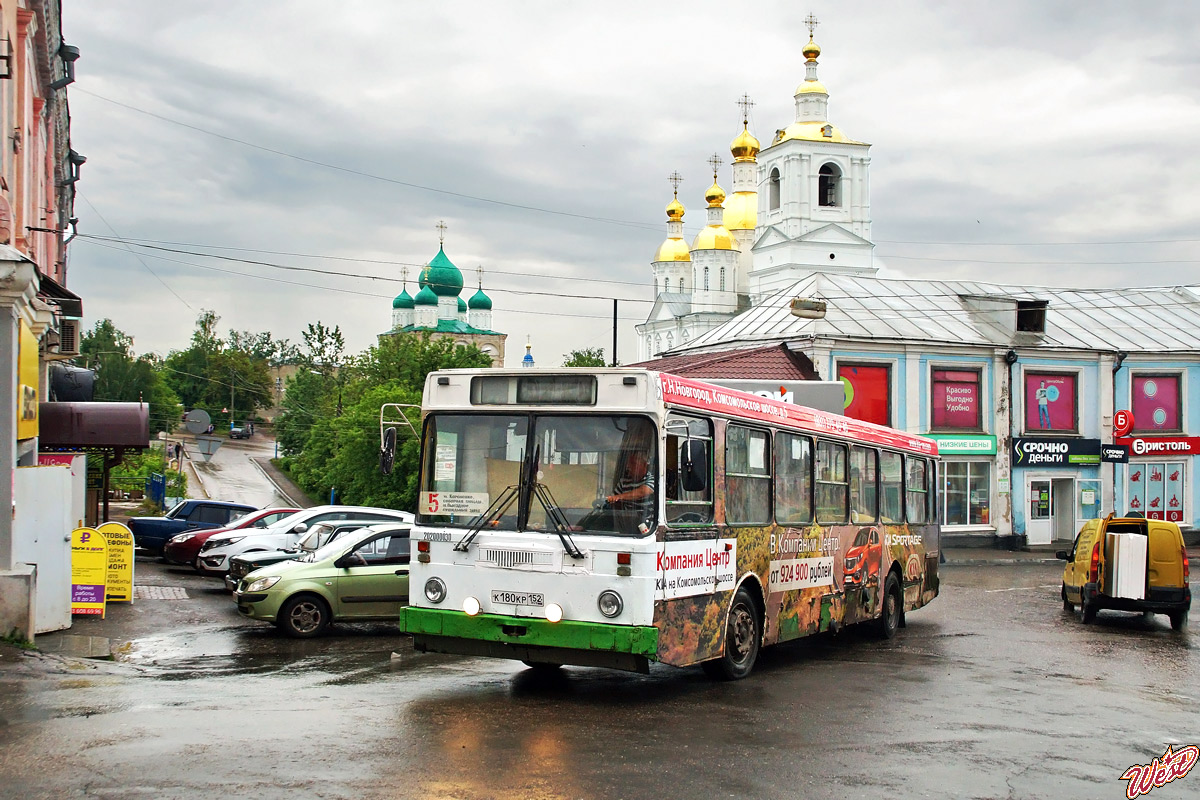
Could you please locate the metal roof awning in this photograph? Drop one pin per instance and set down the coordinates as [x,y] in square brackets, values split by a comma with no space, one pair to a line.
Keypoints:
[94,425]
[52,291]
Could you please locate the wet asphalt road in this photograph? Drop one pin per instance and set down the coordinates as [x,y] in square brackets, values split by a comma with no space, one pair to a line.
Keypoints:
[230,475]
[992,691]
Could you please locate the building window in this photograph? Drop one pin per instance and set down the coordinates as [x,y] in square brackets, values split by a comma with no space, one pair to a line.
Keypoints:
[829,188]
[773,191]
[1156,403]
[793,479]
[956,400]
[747,476]
[681,285]
[1050,402]
[968,489]
[868,392]
[1156,489]
[706,279]
[722,279]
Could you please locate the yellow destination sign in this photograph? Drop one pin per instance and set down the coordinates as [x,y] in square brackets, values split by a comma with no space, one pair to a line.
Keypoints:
[120,561]
[89,571]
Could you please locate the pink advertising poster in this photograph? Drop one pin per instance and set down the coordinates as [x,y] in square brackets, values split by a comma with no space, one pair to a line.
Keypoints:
[1050,402]
[956,401]
[868,392]
[1156,403]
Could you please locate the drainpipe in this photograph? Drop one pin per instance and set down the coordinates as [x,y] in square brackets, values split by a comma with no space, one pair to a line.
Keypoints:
[1018,541]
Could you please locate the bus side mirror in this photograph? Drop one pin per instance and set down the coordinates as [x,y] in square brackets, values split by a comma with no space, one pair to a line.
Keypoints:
[387,451]
[694,474]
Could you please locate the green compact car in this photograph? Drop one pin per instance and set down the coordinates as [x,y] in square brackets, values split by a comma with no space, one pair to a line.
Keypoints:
[359,577]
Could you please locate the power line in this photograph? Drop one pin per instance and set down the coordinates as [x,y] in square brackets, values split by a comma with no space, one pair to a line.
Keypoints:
[1038,244]
[362,174]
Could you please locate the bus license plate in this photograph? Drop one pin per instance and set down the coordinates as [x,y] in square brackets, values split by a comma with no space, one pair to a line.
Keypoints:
[518,598]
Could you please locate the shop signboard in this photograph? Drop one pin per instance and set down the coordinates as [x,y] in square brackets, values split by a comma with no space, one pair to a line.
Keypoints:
[1114,454]
[1161,445]
[961,444]
[1048,451]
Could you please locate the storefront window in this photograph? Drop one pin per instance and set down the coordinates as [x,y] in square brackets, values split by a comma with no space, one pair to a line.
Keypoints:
[1156,489]
[1050,402]
[1156,403]
[968,487]
[1089,499]
[868,392]
[956,399]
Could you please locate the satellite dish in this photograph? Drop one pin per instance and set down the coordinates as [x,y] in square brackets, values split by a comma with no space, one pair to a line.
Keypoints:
[197,421]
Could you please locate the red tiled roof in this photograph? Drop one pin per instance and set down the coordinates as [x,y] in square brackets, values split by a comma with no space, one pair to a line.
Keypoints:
[775,362]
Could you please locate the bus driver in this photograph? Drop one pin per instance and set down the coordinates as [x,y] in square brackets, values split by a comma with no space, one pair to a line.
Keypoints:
[633,489]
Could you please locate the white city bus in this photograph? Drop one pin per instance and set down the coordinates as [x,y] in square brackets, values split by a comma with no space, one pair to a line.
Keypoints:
[615,517]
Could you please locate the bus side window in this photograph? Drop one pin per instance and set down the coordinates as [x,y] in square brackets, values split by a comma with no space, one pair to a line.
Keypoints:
[688,494]
[747,475]
[831,482]
[793,479]
[916,488]
[892,479]
[863,486]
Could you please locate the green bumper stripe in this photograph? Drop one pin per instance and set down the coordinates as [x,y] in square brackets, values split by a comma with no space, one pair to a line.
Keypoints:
[641,641]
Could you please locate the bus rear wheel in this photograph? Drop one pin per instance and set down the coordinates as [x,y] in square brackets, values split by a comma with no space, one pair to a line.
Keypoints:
[743,637]
[889,618]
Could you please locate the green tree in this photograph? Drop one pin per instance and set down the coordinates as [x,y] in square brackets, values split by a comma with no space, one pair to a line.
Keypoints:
[588,357]
[123,376]
[230,380]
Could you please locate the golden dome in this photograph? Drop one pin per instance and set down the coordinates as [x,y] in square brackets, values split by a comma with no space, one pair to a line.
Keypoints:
[673,250]
[741,211]
[811,50]
[811,87]
[675,210]
[814,131]
[715,237]
[744,147]
[715,195]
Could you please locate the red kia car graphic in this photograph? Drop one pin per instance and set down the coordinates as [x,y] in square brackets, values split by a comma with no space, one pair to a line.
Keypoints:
[861,566]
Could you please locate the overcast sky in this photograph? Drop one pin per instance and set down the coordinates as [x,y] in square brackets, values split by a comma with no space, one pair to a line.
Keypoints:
[1033,142]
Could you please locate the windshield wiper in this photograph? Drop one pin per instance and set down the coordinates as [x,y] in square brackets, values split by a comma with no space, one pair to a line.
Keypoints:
[494,512]
[561,526]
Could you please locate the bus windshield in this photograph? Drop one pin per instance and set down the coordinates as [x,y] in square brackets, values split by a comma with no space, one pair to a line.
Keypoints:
[599,471]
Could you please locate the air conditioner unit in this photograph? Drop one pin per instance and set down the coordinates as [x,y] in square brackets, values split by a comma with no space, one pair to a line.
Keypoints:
[68,330]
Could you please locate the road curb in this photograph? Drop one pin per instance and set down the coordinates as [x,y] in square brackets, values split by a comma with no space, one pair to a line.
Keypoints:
[199,479]
[282,492]
[999,562]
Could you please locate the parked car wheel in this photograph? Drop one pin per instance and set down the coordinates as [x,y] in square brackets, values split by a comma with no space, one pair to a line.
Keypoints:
[1179,620]
[1087,612]
[889,621]
[743,636]
[304,616]
[1067,604]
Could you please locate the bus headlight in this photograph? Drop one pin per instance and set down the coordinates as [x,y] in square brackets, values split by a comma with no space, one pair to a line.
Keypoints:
[610,603]
[435,590]
[554,612]
[471,606]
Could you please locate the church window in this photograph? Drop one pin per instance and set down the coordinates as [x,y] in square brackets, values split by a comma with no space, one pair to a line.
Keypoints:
[722,279]
[830,187]
[685,334]
[706,279]
[681,285]
[670,340]
[773,190]
[657,343]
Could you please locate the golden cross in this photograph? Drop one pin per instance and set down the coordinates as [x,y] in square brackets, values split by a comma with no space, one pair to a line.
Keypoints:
[675,179]
[812,22]
[716,162]
[746,104]
[479,270]
[404,276]
[441,226]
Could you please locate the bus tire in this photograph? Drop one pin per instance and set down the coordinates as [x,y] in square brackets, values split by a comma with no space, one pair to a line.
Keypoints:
[889,618]
[743,637]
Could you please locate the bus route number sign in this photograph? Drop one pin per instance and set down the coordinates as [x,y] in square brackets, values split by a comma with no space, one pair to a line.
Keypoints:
[453,503]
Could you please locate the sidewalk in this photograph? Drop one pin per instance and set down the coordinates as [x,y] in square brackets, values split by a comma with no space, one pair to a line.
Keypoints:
[1039,554]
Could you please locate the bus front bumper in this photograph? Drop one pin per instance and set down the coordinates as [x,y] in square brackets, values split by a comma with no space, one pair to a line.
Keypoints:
[586,644]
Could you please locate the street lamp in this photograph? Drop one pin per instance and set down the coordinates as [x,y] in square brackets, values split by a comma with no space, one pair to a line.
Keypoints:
[807,308]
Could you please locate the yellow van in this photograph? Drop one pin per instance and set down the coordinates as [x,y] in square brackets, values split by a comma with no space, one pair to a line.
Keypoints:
[1128,564]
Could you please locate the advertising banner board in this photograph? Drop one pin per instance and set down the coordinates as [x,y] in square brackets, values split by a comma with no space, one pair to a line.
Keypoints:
[1047,451]
[1161,445]
[961,444]
[89,571]
[120,561]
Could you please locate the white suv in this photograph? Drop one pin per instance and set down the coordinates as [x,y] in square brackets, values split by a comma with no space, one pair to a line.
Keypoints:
[215,553]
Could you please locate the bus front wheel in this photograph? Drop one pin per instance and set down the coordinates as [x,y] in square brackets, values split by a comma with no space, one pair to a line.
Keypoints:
[743,636]
[889,618]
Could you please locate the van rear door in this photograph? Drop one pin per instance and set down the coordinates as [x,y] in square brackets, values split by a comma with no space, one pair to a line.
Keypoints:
[1165,563]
